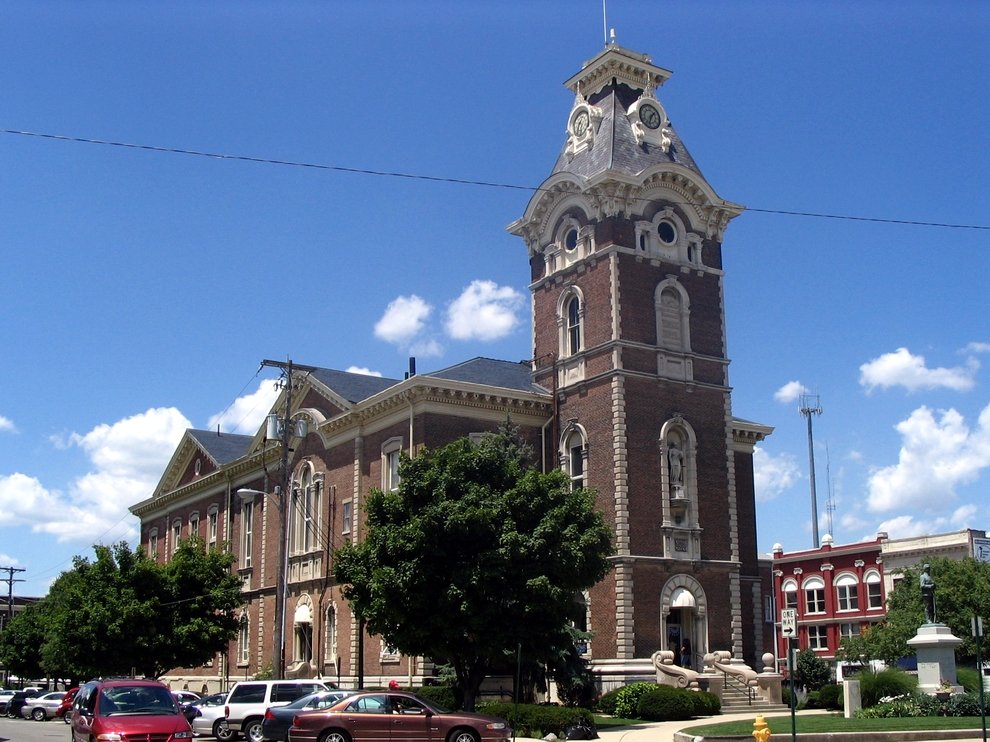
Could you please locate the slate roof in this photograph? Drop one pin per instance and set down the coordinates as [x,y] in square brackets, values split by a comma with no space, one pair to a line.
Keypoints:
[491,372]
[222,447]
[614,146]
[353,387]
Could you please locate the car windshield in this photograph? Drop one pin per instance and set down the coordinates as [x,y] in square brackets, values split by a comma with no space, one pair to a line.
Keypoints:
[136,699]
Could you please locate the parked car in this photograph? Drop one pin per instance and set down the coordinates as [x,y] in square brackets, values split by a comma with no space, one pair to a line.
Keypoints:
[362,717]
[125,708]
[63,710]
[17,701]
[5,697]
[249,699]
[43,707]
[210,720]
[184,697]
[278,719]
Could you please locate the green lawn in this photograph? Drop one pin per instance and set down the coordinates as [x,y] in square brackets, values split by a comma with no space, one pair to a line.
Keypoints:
[836,723]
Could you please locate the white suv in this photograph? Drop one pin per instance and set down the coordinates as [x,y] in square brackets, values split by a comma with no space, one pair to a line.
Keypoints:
[249,699]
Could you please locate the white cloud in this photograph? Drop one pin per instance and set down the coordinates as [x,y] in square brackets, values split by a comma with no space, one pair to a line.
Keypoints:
[404,319]
[7,425]
[902,368]
[9,561]
[426,348]
[976,347]
[127,459]
[908,526]
[484,311]
[362,370]
[937,454]
[773,475]
[790,392]
[247,413]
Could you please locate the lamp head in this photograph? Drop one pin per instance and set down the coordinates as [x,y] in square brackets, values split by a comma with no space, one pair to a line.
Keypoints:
[247,494]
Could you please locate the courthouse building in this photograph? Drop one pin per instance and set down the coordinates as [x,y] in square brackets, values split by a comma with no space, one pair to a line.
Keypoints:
[628,392]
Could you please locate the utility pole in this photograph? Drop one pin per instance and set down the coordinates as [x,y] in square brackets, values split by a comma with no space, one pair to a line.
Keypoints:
[810,406]
[10,580]
[286,368]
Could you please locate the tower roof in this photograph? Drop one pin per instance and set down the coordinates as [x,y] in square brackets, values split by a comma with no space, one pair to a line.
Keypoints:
[613,82]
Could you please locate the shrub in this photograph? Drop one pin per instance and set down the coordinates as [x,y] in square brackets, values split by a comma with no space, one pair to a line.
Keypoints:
[812,671]
[891,683]
[532,720]
[706,704]
[964,704]
[627,703]
[898,707]
[663,703]
[969,679]
[606,704]
[829,697]
[922,704]
[441,695]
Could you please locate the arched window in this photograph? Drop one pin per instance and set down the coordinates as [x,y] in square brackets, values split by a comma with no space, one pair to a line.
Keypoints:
[790,590]
[304,534]
[330,635]
[814,595]
[874,590]
[247,532]
[847,592]
[573,325]
[244,641]
[574,454]
[673,327]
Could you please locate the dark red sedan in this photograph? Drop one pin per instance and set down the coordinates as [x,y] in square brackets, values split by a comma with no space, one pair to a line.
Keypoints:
[392,715]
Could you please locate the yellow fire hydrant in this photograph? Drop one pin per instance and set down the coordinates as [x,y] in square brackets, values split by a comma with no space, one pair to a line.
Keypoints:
[761,732]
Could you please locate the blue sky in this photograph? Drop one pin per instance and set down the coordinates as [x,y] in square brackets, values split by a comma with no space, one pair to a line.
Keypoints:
[141,289]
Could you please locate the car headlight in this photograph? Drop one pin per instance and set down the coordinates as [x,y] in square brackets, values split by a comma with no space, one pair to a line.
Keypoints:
[183,735]
[495,725]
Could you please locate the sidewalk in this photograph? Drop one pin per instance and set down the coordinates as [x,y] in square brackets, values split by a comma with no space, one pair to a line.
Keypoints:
[663,731]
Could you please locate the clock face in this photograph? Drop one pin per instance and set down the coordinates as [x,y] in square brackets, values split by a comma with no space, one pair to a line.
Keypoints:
[581,122]
[650,116]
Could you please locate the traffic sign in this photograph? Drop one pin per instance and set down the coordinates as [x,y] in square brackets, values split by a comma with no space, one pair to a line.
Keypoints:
[788,623]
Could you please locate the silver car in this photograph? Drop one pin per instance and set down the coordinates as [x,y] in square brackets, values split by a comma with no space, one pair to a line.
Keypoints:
[211,721]
[41,708]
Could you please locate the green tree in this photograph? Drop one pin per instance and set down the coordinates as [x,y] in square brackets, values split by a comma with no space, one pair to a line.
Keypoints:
[20,643]
[474,556]
[124,612]
[812,671]
[962,591]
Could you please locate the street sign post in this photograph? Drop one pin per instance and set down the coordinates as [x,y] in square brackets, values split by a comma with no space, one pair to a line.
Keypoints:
[788,623]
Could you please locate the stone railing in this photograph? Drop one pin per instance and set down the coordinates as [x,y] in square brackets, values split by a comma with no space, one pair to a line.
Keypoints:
[670,674]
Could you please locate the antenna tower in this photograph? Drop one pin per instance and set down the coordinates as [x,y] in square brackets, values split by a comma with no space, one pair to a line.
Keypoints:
[810,405]
[830,499]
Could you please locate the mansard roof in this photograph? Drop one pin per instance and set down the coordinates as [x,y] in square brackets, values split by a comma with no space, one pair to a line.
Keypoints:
[492,372]
[222,448]
[351,386]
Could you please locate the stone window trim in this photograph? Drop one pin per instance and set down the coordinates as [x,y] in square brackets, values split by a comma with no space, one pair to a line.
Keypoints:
[176,534]
[153,543]
[814,595]
[573,452]
[685,248]
[346,515]
[306,507]
[571,321]
[674,333]
[212,520]
[194,523]
[247,534]
[818,638]
[390,463]
[874,590]
[846,592]
[244,641]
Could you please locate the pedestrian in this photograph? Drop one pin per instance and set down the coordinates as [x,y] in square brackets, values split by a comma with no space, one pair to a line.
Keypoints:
[686,653]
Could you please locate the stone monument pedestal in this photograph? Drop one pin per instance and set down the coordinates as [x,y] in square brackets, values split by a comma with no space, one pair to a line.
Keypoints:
[935,646]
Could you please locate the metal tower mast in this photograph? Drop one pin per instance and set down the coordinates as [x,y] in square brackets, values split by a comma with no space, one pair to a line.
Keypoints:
[810,406]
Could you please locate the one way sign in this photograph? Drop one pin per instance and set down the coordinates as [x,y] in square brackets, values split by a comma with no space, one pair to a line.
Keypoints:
[788,623]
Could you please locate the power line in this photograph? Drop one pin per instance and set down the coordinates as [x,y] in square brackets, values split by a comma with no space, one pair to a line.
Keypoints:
[444,179]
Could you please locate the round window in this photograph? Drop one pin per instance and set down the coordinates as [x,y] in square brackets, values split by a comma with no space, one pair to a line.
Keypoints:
[667,232]
[198,466]
[570,240]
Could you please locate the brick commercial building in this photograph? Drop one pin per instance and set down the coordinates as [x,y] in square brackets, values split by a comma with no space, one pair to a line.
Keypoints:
[628,392]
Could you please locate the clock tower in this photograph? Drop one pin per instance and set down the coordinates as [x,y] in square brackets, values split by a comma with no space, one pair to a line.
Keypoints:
[625,248]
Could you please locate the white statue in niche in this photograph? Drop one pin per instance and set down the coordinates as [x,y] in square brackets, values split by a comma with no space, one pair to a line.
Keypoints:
[675,458]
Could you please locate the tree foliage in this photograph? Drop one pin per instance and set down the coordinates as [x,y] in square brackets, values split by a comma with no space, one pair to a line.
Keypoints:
[475,557]
[123,613]
[812,671]
[962,591]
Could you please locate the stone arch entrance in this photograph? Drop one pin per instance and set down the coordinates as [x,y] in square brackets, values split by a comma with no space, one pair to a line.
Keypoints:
[684,619]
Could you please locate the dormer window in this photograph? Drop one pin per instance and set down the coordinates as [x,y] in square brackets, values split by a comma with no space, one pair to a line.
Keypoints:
[667,232]
[571,240]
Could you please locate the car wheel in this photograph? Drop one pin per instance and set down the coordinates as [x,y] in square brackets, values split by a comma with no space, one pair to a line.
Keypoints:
[39,715]
[463,735]
[252,730]
[335,735]
[223,732]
